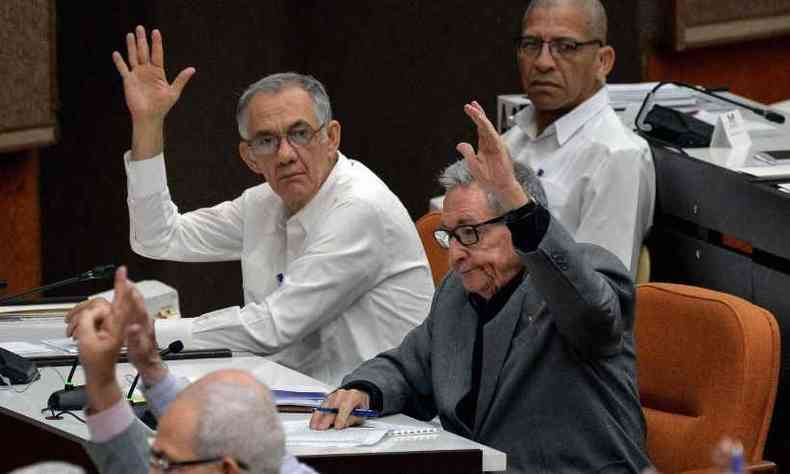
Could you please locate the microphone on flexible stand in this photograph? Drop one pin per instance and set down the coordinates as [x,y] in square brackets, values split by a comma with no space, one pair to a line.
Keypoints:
[174,348]
[96,273]
[73,397]
[676,128]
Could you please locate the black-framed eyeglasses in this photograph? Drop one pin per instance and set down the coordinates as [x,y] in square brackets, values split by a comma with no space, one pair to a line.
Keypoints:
[160,461]
[298,136]
[466,234]
[531,46]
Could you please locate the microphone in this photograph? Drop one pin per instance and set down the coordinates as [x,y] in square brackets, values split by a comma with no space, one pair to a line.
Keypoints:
[75,397]
[96,273]
[174,347]
[678,129]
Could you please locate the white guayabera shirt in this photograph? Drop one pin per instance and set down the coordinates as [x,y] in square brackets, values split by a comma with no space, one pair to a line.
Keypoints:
[324,290]
[598,176]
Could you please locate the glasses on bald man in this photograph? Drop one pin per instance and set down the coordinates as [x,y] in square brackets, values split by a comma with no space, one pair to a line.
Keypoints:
[532,46]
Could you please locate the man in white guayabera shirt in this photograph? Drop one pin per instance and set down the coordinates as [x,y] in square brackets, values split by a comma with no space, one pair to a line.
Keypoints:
[334,271]
[598,176]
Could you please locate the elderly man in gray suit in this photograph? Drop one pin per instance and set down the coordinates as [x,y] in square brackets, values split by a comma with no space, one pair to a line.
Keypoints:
[529,344]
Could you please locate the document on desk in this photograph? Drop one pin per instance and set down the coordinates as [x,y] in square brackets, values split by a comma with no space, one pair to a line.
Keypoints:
[299,434]
[26,348]
[36,310]
[766,171]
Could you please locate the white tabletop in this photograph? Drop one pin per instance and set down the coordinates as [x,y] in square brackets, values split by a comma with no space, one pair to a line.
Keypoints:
[28,404]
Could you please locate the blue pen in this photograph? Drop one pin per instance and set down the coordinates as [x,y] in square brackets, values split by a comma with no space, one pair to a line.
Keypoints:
[361,412]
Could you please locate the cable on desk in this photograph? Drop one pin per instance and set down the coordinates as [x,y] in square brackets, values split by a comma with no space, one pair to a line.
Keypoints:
[58,415]
[7,385]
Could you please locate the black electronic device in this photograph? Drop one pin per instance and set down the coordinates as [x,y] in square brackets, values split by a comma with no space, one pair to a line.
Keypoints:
[16,368]
[679,129]
[75,397]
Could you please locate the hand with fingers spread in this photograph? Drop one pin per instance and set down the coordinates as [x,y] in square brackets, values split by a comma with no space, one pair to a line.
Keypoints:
[491,166]
[344,401]
[149,96]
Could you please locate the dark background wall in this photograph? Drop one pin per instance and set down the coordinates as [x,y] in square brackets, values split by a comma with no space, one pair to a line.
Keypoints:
[398,73]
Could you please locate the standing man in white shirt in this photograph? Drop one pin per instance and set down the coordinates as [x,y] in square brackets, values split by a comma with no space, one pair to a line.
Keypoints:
[598,176]
[333,268]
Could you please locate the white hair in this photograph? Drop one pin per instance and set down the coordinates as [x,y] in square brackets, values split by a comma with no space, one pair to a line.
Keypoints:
[49,467]
[239,420]
[275,83]
[457,174]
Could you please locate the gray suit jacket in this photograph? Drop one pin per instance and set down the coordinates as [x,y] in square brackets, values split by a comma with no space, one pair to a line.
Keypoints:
[126,453]
[558,389]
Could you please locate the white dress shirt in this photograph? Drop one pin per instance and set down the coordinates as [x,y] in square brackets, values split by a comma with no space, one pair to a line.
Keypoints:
[324,290]
[598,176]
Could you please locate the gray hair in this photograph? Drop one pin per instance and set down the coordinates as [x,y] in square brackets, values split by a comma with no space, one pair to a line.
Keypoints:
[597,23]
[50,467]
[238,420]
[457,174]
[275,83]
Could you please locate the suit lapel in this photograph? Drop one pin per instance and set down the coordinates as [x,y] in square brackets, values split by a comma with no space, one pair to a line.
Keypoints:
[461,340]
[497,341]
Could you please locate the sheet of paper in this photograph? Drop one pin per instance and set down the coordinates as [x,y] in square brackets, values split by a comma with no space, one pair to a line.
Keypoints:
[24,348]
[65,344]
[299,434]
[762,171]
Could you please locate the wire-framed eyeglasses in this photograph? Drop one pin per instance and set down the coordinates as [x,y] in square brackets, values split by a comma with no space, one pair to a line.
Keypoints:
[531,46]
[298,136]
[466,234]
[161,462]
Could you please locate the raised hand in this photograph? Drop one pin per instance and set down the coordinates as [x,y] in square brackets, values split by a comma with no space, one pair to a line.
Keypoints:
[148,94]
[491,166]
[128,307]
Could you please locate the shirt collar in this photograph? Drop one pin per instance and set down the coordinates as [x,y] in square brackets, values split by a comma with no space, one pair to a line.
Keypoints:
[567,125]
[487,309]
[315,208]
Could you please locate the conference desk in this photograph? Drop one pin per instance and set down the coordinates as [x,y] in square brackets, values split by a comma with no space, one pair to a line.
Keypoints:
[33,437]
[718,228]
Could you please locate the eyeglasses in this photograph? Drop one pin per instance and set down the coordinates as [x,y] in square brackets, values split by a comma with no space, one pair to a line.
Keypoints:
[160,461]
[466,234]
[532,46]
[264,146]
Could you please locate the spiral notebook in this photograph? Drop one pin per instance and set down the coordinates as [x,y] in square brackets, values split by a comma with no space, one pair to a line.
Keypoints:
[397,429]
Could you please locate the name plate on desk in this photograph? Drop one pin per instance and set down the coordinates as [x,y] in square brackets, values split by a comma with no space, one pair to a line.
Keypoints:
[730,131]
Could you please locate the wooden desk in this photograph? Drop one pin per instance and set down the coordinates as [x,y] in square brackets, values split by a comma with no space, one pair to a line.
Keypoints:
[34,438]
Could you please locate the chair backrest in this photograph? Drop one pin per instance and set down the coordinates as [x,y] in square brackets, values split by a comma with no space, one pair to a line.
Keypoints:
[708,367]
[643,266]
[437,256]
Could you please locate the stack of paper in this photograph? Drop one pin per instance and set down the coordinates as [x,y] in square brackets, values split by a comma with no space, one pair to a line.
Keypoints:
[294,401]
[298,434]
[669,95]
[36,310]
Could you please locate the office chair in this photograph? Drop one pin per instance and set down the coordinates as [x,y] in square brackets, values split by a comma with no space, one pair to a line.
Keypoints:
[708,367]
[643,266]
[437,256]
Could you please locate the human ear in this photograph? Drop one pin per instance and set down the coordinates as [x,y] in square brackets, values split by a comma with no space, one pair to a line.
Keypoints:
[606,57]
[246,156]
[333,130]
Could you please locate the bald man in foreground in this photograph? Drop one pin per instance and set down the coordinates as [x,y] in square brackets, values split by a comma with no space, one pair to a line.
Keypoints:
[225,422]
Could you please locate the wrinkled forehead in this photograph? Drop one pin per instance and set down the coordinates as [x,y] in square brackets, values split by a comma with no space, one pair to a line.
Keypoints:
[281,110]
[559,21]
[465,205]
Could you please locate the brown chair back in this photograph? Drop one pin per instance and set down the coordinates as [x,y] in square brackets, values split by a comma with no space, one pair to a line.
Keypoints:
[708,367]
[437,256]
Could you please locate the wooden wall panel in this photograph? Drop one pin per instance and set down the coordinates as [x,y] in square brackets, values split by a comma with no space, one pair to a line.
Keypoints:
[759,70]
[20,231]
